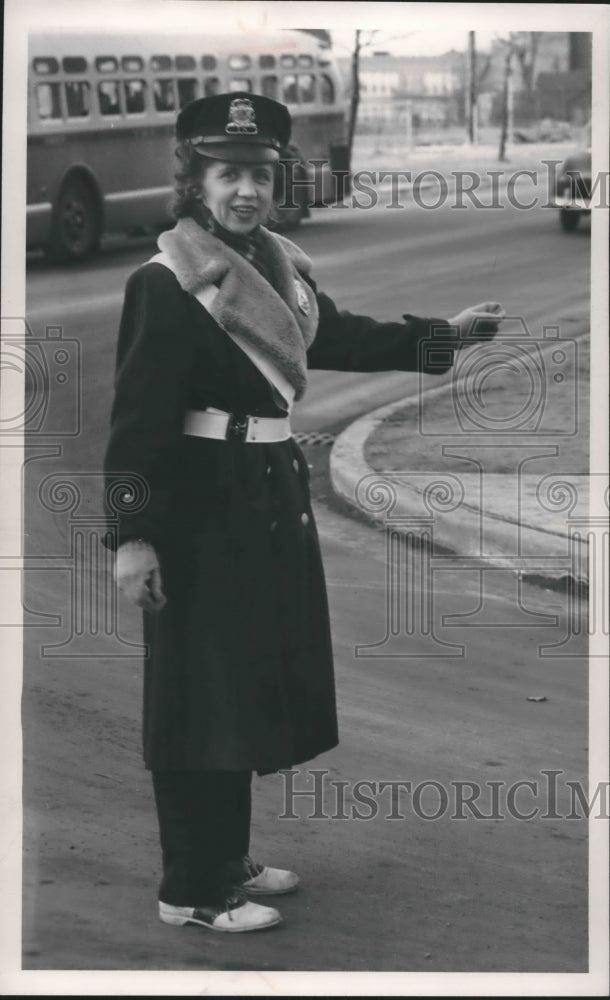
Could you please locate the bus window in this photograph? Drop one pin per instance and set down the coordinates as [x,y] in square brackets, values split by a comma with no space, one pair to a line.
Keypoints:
[241,84]
[185,63]
[134,96]
[187,90]
[288,62]
[290,89]
[74,64]
[106,64]
[307,87]
[266,62]
[211,86]
[269,87]
[165,98]
[46,66]
[132,64]
[160,64]
[327,89]
[108,94]
[77,99]
[208,63]
[305,62]
[239,62]
[48,101]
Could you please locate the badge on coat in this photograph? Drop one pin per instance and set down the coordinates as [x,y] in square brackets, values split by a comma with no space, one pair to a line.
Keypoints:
[302,300]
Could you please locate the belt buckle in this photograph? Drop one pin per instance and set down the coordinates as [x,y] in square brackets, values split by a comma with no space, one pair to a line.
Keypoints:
[237,428]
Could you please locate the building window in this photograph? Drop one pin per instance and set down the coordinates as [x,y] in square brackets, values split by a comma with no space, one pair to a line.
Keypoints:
[269,87]
[288,62]
[161,64]
[307,88]
[187,90]
[185,63]
[78,99]
[305,62]
[44,67]
[208,63]
[240,62]
[266,62]
[165,98]
[108,96]
[106,64]
[134,96]
[74,64]
[211,86]
[132,64]
[327,90]
[48,101]
[240,84]
[290,95]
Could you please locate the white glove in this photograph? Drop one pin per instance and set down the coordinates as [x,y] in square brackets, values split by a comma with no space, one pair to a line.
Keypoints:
[138,576]
[478,323]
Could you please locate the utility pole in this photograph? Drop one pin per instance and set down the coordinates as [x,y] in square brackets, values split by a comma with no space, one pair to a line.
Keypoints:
[473,124]
[355,96]
[507,102]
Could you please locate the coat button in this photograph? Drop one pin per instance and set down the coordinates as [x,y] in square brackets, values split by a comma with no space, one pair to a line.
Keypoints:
[295,465]
[268,470]
[273,525]
[304,519]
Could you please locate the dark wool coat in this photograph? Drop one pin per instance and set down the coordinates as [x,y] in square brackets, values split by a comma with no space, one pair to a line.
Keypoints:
[239,674]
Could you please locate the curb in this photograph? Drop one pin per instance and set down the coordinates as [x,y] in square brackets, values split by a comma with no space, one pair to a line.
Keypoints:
[549,549]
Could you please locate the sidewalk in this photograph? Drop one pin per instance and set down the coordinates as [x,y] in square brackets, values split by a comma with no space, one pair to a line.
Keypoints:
[537,522]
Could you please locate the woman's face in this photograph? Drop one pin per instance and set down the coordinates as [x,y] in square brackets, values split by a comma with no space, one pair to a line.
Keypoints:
[239,195]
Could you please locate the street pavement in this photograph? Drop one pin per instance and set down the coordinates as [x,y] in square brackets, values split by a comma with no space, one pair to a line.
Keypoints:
[449,678]
[538,523]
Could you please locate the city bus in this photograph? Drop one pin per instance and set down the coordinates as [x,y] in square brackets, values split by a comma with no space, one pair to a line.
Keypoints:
[101,114]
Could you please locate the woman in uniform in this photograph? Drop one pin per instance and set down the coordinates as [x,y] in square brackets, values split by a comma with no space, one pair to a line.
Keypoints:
[209,506]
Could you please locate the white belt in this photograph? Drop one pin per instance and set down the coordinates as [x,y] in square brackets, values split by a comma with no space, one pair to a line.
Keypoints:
[223,426]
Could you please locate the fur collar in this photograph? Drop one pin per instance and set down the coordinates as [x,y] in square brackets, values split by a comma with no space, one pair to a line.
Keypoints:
[281,323]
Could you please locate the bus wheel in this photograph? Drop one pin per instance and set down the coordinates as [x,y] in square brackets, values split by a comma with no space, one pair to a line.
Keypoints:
[568,219]
[75,231]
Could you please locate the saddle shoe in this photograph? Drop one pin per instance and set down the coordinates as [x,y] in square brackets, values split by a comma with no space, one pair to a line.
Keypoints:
[235,915]
[259,880]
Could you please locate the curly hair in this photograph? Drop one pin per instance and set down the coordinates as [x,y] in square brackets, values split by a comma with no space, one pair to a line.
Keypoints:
[188,177]
[191,170]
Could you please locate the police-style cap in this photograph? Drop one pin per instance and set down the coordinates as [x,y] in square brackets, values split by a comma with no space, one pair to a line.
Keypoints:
[244,127]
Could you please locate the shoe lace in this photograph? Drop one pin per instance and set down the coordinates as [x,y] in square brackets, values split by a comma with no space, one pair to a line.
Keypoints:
[250,867]
[234,898]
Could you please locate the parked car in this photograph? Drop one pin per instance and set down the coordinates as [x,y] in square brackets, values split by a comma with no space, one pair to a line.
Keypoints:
[573,188]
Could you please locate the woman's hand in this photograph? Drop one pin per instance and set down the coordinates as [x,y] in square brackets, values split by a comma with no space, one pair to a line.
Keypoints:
[478,323]
[138,576]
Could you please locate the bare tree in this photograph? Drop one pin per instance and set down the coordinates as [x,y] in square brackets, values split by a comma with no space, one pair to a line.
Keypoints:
[525,47]
[505,127]
[478,67]
[360,42]
[473,122]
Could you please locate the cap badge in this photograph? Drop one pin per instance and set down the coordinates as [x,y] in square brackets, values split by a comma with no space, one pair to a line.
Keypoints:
[302,300]
[241,117]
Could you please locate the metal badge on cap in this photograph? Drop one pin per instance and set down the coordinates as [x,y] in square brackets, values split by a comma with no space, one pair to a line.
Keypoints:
[241,117]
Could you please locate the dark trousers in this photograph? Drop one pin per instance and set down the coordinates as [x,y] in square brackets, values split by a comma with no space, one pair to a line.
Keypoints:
[204,827]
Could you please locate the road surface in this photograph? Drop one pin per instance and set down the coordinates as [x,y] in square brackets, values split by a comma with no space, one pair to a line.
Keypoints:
[414,883]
